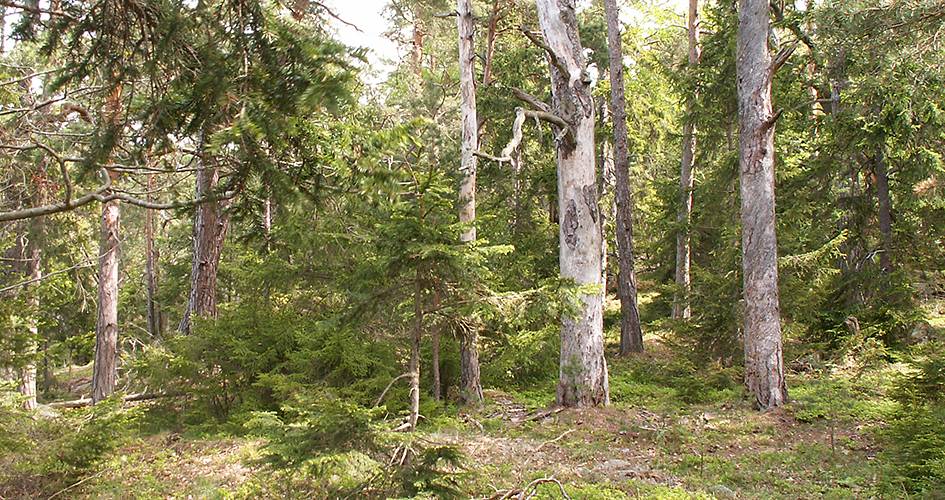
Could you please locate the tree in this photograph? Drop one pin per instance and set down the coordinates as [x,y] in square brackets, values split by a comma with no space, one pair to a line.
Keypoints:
[764,366]
[210,227]
[583,369]
[471,388]
[631,335]
[105,368]
[681,308]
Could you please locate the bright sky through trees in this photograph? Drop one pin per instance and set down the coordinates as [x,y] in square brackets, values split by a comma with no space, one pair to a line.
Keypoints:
[368,16]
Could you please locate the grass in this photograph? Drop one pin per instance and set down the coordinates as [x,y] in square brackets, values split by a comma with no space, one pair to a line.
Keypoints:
[659,440]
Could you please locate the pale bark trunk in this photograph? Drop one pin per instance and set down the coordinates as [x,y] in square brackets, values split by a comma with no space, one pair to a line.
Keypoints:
[470,386]
[631,334]
[105,369]
[681,307]
[414,363]
[210,227]
[583,368]
[764,366]
[34,268]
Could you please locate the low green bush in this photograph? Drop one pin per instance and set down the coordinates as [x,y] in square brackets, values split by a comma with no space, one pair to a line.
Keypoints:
[915,430]
[323,447]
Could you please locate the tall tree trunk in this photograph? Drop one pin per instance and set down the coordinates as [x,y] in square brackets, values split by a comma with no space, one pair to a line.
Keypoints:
[583,368]
[210,227]
[414,363]
[470,386]
[435,362]
[155,323]
[34,271]
[105,369]
[681,308]
[631,335]
[764,366]
[885,209]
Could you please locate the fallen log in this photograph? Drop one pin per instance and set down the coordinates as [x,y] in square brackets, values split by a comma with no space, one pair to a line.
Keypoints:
[83,402]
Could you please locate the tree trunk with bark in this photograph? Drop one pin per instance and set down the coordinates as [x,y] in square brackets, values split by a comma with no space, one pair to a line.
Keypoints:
[413,367]
[583,368]
[470,386]
[881,171]
[764,365]
[105,367]
[681,308]
[155,320]
[631,335]
[210,227]
[34,271]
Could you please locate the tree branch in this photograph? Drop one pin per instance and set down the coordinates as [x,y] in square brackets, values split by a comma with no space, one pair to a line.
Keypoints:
[551,53]
[391,384]
[35,10]
[99,195]
[530,100]
[783,56]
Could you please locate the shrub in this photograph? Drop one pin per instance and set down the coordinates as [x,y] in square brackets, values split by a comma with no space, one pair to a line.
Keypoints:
[329,448]
[915,433]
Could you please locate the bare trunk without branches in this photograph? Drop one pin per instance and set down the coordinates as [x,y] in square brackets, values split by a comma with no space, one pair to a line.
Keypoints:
[885,209]
[681,308]
[764,365]
[583,372]
[34,272]
[105,367]
[470,386]
[210,227]
[631,335]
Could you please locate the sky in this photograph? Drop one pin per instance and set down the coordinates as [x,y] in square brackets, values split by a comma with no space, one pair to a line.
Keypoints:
[366,15]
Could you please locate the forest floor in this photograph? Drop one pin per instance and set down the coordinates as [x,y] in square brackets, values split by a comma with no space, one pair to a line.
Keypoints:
[652,446]
[671,433]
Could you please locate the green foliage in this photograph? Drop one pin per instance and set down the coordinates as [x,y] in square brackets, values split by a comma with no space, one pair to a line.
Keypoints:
[331,448]
[257,354]
[668,381]
[915,432]
[57,450]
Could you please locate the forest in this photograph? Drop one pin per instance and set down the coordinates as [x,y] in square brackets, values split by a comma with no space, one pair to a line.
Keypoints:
[558,249]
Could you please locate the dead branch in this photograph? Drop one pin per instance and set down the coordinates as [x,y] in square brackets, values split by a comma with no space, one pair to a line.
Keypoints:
[783,56]
[548,50]
[391,384]
[83,402]
[530,100]
[542,445]
[35,10]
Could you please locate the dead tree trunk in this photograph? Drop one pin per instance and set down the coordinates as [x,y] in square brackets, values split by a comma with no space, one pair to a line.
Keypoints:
[681,308]
[470,386]
[583,369]
[764,366]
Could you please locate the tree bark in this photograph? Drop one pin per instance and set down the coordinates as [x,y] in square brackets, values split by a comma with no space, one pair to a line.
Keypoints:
[414,363]
[681,307]
[583,368]
[155,321]
[470,386]
[885,209]
[631,335]
[105,369]
[210,227]
[34,271]
[764,366]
